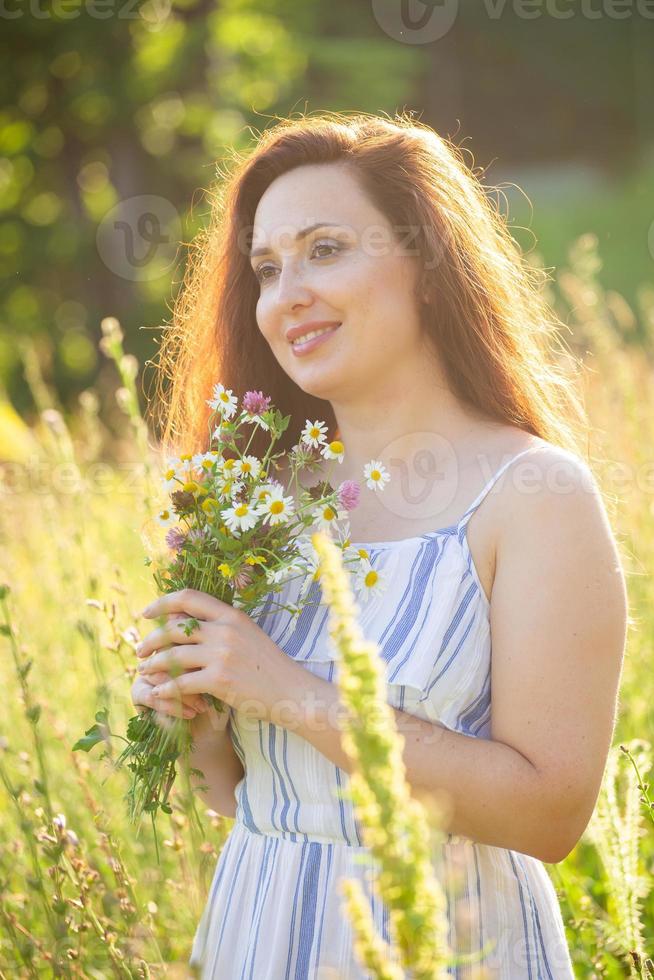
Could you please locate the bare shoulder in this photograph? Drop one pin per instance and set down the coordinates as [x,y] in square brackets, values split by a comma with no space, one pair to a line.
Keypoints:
[552,516]
[550,485]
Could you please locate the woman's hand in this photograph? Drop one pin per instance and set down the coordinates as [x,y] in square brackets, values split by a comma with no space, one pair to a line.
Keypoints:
[165,707]
[227,655]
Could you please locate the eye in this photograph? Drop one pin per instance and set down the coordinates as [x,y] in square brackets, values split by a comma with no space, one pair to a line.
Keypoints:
[334,247]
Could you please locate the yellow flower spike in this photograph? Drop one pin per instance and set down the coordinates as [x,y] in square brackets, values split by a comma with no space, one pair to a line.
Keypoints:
[363,553]
[225,570]
[191,487]
[394,824]
[169,474]
[185,457]
[373,952]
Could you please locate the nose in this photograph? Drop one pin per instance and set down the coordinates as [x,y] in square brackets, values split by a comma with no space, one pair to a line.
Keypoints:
[291,291]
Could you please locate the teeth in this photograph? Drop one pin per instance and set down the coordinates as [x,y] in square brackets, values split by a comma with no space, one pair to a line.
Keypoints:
[308,336]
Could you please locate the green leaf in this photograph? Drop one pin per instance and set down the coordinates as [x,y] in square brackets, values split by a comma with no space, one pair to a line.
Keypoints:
[91,738]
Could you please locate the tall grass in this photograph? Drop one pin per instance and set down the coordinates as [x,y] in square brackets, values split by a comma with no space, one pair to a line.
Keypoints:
[81,895]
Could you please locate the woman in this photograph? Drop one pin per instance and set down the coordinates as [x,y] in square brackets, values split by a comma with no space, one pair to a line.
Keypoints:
[433,352]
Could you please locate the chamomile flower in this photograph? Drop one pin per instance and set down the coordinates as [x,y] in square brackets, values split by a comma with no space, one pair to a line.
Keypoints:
[165,517]
[333,450]
[376,474]
[276,508]
[223,401]
[228,467]
[241,517]
[248,466]
[369,582]
[229,488]
[313,433]
[326,518]
[170,479]
[204,461]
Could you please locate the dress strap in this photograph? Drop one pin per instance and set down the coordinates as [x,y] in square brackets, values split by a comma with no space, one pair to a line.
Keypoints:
[473,507]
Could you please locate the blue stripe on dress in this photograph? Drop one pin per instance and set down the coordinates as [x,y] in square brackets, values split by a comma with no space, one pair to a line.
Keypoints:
[308,915]
[272,778]
[272,739]
[242,791]
[477,709]
[229,906]
[524,913]
[270,847]
[479,905]
[290,781]
[325,892]
[535,916]
[419,595]
[291,937]
[454,654]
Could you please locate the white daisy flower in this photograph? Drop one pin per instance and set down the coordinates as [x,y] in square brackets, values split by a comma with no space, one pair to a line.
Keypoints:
[241,517]
[326,518]
[369,582]
[229,468]
[165,517]
[313,433]
[223,401]
[261,493]
[376,474]
[276,508]
[229,487]
[204,461]
[255,420]
[248,466]
[333,450]
[170,478]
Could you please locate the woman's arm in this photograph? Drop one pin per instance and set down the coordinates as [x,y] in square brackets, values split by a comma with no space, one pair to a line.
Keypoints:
[214,755]
[558,622]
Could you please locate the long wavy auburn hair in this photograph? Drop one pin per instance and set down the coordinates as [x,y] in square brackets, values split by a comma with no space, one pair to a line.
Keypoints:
[496,336]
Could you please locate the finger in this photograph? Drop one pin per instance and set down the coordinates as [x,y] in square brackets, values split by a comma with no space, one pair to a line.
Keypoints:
[142,691]
[191,602]
[175,660]
[193,682]
[171,634]
[173,707]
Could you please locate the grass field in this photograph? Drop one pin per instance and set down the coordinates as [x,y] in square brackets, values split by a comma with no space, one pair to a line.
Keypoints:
[81,894]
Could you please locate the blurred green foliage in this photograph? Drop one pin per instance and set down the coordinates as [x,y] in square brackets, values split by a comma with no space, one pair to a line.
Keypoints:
[112,100]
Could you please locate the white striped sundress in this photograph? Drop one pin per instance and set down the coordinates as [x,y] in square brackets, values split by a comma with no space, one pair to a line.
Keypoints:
[274,910]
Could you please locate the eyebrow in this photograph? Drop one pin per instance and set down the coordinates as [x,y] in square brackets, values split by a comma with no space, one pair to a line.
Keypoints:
[264,250]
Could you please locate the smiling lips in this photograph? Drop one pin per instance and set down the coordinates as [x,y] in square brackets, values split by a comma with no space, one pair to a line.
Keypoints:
[309,339]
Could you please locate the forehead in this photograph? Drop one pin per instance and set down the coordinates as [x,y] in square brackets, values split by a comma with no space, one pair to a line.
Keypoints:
[309,194]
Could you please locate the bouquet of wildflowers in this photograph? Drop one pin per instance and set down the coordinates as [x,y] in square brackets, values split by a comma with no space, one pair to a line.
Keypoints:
[237,533]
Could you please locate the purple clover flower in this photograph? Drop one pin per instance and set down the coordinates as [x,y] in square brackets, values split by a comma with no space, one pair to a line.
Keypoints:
[175,538]
[255,402]
[348,494]
[198,534]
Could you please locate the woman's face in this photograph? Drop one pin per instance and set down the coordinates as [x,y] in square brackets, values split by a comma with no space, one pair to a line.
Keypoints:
[351,271]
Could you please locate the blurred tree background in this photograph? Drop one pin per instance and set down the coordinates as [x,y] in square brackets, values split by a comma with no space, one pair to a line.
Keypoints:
[115,113]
